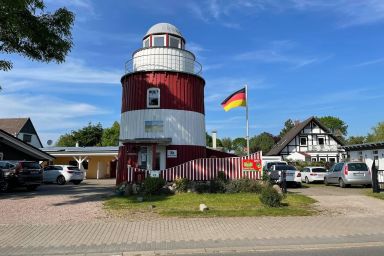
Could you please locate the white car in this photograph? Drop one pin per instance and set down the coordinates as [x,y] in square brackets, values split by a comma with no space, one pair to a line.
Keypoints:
[312,174]
[293,176]
[62,174]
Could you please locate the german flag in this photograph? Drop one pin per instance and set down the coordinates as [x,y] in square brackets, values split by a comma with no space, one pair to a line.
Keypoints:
[236,99]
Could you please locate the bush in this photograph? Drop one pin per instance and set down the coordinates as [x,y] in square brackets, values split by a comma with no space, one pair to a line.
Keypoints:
[243,186]
[270,197]
[217,186]
[221,176]
[181,184]
[202,188]
[153,185]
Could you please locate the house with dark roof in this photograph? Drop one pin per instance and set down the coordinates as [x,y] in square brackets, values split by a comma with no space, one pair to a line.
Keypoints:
[21,128]
[312,139]
[13,148]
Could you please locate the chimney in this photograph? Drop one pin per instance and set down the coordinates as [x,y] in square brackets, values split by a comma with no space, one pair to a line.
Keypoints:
[214,138]
[77,144]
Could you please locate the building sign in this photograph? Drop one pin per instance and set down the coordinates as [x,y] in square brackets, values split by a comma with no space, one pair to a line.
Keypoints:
[251,165]
[153,126]
[172,153]
[154,173]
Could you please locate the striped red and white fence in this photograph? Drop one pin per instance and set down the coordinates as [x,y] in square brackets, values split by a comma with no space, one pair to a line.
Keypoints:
[201,169]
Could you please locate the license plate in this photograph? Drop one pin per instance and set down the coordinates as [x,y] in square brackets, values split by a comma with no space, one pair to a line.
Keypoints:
[358,174]
[34,172]
[289,174]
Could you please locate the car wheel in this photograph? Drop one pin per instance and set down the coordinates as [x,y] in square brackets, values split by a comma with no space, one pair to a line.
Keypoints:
[61,180]
[298,184]
[326,182]
[4,186]
[307,180]
[341,183]
[32,188]
[77,182]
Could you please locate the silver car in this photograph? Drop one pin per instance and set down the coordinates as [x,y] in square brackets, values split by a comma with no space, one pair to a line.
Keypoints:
[349,173]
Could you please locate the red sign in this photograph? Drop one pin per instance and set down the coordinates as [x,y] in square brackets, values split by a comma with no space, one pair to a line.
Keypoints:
[251,165]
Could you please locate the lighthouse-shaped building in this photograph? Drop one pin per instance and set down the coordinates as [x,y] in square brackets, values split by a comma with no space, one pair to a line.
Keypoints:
[162,114]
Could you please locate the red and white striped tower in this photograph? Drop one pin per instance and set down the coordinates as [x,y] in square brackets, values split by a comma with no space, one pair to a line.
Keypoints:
[162,115]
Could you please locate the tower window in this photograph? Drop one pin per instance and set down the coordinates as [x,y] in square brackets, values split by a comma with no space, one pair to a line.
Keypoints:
[146,43]
[153,98]
[158,41]
[174,42]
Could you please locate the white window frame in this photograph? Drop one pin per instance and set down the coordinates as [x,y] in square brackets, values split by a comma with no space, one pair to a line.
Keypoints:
[155,36]
[158,100]
[318,140]
[174,37]
[147,40]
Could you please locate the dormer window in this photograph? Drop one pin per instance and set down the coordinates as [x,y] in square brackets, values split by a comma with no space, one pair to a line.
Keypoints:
[174,42]
[153,98]
[158,41]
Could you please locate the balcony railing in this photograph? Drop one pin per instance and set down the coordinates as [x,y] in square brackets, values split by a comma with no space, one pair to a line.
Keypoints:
[322,148]
[163,61]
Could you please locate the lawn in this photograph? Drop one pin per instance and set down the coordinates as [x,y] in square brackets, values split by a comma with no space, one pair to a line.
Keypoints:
[375,195]
[223,205]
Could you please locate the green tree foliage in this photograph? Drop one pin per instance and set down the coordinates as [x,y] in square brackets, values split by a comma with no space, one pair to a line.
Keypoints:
[227,144]
[239,145]
[356,140]
[335,125]
[110,136]
[28,29]
[87,136]
[377,134]
[288,125]
[263,142]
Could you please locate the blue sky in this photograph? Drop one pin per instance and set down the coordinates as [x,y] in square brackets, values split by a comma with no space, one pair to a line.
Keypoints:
[299,57]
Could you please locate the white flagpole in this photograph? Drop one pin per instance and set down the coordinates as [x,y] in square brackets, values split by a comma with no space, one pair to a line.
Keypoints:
[246,113]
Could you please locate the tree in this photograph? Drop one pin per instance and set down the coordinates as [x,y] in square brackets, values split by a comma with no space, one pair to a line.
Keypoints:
[239,145]
[29,30]
[110,136]
[356,140]
[263,142]
[377,134]
[227,144]
[288,125]
[335,125]
[87,136]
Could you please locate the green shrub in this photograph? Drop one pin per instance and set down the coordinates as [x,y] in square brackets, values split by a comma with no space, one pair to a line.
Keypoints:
[153,185]
[270,197]
[181,184]
[221,176]
[202,188]
[217,186]
[243,186]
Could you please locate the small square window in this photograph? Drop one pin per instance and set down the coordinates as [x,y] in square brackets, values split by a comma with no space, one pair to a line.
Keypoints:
[303,141]
[321,141]
[375,152]
[158,41]
[174,42]
[153,98]
[27,138]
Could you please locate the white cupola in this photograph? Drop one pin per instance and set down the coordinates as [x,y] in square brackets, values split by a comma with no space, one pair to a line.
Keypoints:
[164,35]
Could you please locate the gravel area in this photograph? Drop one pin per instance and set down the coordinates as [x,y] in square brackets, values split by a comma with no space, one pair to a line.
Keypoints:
[54,204]
[333,200]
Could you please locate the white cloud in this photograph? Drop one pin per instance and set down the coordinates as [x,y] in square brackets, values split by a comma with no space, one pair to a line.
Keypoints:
[370,62]
[71,71]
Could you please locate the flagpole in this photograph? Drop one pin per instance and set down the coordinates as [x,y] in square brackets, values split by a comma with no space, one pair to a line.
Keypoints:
[246,114]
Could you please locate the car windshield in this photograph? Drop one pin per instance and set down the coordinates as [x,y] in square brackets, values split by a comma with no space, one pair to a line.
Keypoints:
[357,167]
[30,165]
[269,165]
[73,168]
[285,167]
[319,170]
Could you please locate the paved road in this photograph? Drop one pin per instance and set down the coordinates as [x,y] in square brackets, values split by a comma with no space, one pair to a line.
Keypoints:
[164,235]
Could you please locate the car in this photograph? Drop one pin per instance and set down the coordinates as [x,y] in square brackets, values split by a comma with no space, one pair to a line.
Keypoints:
[349,173]
[62,174]
[313,174]
[20,174]
[293,176]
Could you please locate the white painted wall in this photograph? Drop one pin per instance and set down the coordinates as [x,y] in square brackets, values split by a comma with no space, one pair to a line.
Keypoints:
[164,58]
[184,127]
